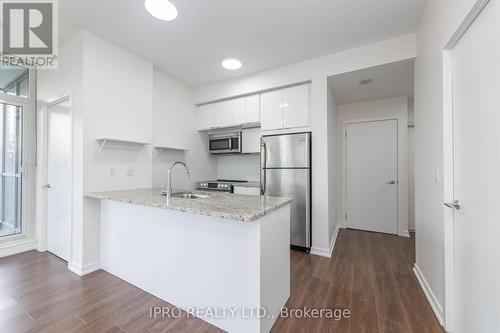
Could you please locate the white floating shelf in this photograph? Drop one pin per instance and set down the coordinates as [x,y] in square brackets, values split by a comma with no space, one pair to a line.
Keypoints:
[121,144]
[159,149]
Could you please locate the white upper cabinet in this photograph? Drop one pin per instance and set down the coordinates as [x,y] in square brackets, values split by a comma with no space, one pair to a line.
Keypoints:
[296,106]
[250,140]
[285,108]
[252,109]
[206,117]
[271,110]
[230,113]
[224,113]
[278,109]
[238,110]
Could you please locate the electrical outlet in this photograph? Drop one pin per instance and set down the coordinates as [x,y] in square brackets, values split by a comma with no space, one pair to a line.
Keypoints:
[130,171]
[113,172]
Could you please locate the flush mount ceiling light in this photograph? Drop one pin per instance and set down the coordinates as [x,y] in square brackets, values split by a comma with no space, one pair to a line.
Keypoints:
[365,82]
[231,64]
[161,9]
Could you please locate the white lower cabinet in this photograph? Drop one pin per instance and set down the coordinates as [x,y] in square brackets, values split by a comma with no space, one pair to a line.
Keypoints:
[250,141]
[246,190]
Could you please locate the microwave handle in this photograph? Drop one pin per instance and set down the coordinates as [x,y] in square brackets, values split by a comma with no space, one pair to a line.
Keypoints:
[263,158]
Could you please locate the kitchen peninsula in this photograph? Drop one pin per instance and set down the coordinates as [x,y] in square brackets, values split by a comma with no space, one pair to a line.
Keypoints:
[231,252]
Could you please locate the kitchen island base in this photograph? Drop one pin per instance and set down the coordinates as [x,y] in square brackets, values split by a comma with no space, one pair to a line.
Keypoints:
[233,274]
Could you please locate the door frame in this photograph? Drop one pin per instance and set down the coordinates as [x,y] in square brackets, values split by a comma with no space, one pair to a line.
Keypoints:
[42,192]
[23,104]
[448,160]
[402,209]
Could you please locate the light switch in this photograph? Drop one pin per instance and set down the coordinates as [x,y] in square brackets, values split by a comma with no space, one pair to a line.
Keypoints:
[113,172]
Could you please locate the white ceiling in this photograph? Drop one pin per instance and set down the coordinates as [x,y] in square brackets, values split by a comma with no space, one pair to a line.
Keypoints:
[391,80]
[263,34]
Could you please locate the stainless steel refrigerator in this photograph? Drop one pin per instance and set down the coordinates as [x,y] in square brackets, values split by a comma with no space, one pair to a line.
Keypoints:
[286,172]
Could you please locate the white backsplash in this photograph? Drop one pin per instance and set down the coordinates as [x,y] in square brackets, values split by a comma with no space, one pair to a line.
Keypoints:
[239,167]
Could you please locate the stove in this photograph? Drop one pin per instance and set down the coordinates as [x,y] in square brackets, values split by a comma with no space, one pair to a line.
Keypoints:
[221,185]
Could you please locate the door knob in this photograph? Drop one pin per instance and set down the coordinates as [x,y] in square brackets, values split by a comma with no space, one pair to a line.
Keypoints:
[47,186]
[392,182]
[453,205]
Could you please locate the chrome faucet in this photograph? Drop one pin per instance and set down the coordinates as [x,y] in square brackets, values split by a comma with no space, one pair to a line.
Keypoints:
[168,189]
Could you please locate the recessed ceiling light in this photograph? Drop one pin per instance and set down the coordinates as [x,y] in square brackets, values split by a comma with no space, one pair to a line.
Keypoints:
[231,64]
[161,9]
[365,82]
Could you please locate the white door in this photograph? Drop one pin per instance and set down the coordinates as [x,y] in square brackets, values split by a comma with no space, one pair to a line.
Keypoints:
[476,141]
[59,180]
[372,176]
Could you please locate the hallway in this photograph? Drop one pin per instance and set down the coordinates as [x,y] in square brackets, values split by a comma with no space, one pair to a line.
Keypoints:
[370,274]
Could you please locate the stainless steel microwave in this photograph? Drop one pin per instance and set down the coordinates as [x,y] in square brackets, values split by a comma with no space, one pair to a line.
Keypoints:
[224,143]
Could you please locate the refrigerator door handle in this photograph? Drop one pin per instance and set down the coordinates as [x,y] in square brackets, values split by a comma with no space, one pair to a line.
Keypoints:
[263,159]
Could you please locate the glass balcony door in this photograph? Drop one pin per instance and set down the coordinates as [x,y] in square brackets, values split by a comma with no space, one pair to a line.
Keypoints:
[11,164]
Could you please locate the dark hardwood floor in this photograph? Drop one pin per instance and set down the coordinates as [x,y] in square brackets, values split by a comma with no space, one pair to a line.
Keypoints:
[368,274]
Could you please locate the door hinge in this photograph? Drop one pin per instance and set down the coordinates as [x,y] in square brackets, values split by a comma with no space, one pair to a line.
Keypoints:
[345,135]
[346,216]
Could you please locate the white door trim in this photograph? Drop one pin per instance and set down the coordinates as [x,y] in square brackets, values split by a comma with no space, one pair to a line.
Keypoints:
[403,183]
[42,192]
[448,170]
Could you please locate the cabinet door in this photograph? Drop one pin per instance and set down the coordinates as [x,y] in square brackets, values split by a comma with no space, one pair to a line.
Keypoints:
[252,109]
[250,140]
[206,117]
[296,106]
[246,190]
[224,114]
[271,110]
[238,110]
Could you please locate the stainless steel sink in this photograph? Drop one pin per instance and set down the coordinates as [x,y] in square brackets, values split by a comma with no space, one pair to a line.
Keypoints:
[188,195]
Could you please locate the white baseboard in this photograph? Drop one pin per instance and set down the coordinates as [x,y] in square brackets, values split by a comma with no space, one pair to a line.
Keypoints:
[404,233]
[319,251]
[84,270]
[429,294]
[18,246]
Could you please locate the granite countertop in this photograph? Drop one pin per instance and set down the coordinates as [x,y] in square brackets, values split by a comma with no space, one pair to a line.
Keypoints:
[245,208]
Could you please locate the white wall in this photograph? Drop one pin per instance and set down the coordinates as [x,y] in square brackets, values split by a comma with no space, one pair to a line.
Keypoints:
[439,21]
[239,167]
[67,79]
[174,122]
[113,93]
[392,108]
[332,158]
[316,71]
